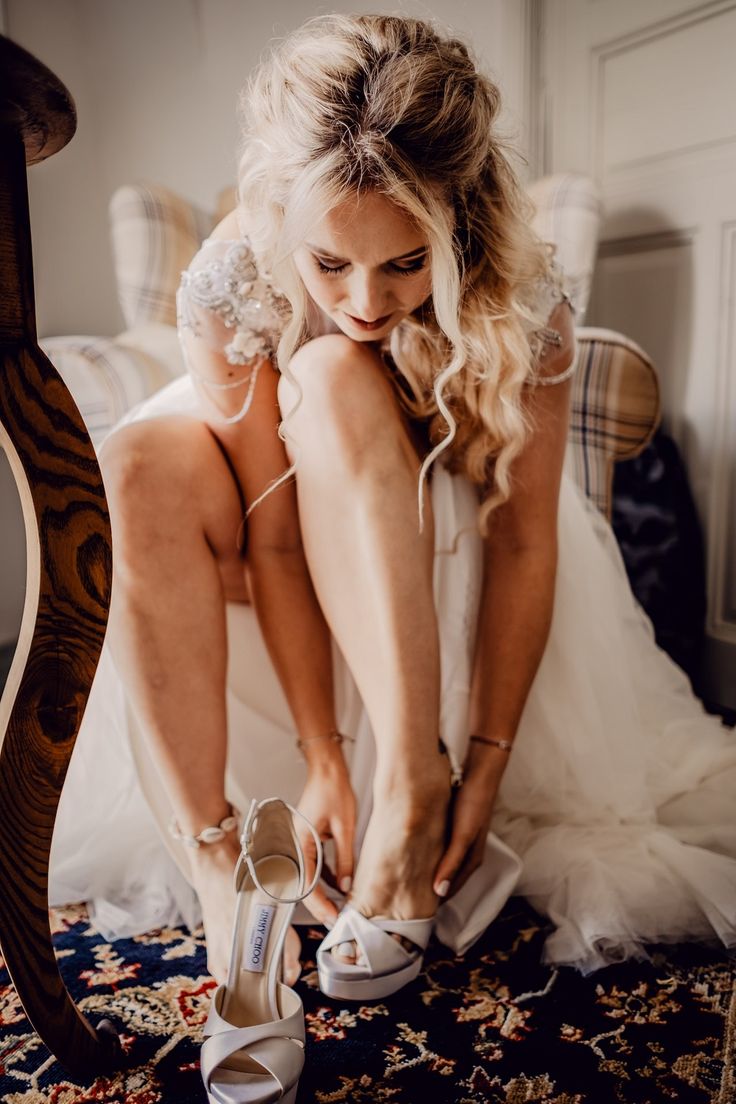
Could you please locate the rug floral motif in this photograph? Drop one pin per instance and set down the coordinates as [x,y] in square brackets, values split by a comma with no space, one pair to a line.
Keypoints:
[495,1025]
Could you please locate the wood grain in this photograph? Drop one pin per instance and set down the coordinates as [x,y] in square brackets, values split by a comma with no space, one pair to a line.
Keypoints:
[69,557]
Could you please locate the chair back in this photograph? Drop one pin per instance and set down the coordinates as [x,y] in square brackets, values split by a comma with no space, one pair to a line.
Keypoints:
[568,214]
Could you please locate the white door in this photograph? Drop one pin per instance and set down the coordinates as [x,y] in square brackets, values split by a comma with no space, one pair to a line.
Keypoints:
[641,94]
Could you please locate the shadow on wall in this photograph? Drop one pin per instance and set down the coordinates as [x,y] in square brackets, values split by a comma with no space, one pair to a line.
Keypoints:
[643,286]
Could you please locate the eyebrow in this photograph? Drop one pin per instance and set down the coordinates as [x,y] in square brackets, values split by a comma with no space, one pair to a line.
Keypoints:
[404,256]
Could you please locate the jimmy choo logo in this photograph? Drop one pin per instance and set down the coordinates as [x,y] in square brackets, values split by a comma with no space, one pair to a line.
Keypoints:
[257,938]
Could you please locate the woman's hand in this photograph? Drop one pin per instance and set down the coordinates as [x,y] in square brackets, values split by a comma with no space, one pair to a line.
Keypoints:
[328,802]
[470,818]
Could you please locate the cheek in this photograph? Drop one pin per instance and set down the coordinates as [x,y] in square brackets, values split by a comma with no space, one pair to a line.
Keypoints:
[421,291]
[318,289]
[325,292]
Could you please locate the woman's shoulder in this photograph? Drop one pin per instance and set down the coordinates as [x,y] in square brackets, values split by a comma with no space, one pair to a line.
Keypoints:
[228,228]
[223,292]
[552,342]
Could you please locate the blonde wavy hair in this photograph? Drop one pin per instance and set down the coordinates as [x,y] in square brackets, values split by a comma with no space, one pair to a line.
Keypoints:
[351,102]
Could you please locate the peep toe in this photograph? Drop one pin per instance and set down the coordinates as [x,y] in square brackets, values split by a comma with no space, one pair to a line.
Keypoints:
[254,1047]
[386,965]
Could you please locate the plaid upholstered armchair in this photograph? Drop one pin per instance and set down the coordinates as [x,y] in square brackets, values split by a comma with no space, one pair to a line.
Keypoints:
[155,233]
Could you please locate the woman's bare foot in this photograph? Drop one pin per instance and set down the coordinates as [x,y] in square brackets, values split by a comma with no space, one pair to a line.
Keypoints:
[213,869]
[402,846]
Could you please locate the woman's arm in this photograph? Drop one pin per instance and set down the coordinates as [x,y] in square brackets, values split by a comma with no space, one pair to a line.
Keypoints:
[520,562]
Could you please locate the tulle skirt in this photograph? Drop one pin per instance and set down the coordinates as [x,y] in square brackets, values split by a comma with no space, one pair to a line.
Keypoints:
[616,815]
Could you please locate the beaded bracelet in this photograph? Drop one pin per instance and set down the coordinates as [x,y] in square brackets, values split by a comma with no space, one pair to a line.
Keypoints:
[504,745]
[333,734]
[212,834]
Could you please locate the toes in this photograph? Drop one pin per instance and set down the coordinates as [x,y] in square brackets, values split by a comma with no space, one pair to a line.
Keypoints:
[347,953]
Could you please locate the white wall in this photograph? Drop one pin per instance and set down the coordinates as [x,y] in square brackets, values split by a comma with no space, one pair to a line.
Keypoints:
[156,83]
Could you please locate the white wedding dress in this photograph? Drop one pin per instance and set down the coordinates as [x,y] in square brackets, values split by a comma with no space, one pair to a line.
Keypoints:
[616,816]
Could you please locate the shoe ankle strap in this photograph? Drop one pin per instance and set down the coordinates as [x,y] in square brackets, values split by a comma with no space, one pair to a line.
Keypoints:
[256,808]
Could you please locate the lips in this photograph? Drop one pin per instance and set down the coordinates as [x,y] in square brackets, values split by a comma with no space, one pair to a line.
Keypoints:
[376,324]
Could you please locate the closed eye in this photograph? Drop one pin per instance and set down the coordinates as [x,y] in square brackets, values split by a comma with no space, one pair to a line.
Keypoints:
[403,268]
[408,268]
[329,269]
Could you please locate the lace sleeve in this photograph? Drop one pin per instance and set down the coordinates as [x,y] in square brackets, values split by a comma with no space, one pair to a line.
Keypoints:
[550,293]
[228,315]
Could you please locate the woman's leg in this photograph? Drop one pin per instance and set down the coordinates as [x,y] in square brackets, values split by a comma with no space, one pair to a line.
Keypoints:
[357,480]
[176,512]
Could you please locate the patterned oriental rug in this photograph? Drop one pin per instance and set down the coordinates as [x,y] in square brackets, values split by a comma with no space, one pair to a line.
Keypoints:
[496,1025]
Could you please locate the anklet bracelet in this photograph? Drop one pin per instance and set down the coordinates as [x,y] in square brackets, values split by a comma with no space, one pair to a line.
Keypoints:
[504,745]
[333,734]
[213,834]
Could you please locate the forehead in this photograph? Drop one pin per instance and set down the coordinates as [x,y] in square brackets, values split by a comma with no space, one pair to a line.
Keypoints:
[369,228]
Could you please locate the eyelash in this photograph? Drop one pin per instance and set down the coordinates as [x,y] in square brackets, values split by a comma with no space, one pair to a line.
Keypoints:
[415,266]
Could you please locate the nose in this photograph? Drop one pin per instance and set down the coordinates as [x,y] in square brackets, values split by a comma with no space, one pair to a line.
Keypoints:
[368,299]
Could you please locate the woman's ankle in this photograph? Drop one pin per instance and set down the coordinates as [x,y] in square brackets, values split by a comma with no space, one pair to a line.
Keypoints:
[413,786]
[210,857]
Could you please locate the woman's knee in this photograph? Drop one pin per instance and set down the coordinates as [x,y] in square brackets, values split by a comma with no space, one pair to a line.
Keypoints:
[127,460]
[339,390]
[149,468]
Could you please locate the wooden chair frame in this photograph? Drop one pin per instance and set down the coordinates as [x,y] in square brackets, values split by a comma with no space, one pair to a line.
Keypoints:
[69,574]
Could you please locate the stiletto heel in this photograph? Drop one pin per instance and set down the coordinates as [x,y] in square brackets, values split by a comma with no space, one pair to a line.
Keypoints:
[254,1047]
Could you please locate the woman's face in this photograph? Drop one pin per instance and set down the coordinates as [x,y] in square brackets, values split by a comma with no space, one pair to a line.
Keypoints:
[366,265]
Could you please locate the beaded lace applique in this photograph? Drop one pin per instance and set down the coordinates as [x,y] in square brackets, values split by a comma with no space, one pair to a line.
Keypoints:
[550,293]
[233,289]
[223,291]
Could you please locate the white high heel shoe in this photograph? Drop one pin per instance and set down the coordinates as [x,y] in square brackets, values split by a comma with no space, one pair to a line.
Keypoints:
[386,965]
[254,1047]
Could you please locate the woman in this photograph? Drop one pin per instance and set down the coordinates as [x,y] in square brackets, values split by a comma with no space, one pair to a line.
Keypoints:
[380,356]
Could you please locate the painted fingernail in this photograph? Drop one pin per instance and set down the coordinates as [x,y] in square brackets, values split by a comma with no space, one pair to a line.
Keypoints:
[346,883]
[443,888]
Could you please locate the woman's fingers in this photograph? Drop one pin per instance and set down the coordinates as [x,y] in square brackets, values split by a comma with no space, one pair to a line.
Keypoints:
[470,816]
[321,907]
[457,864]
[331,809]
[452,862]
[309,850]
[342,833]
[469,829]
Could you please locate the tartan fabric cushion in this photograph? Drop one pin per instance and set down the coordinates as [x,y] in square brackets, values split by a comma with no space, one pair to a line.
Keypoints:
[615,410]
[107,377]
[568,213]
[155,234]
